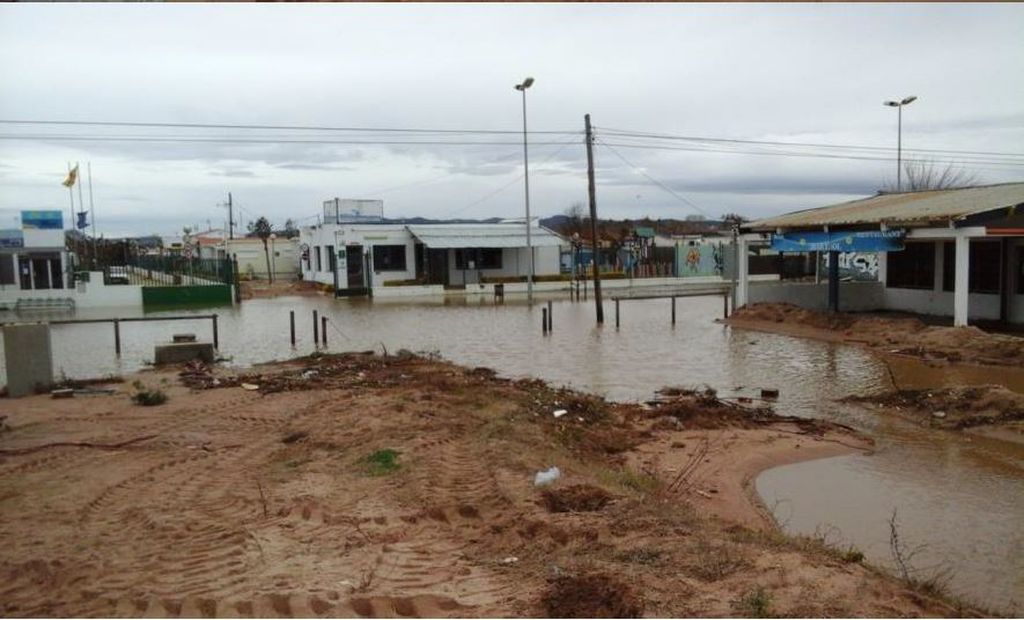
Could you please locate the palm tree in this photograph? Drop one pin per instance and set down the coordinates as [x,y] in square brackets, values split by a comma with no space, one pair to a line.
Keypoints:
[262,229]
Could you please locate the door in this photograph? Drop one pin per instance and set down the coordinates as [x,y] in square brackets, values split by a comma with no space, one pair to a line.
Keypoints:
[354,258]
[437,266]
[25,273]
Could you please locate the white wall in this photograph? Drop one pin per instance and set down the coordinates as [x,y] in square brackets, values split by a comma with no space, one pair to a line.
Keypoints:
[91,294]
[252,259]
[514,262]
[366,235]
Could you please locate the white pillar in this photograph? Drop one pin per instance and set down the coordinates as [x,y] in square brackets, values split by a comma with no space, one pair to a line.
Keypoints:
[960,281]
[742,274]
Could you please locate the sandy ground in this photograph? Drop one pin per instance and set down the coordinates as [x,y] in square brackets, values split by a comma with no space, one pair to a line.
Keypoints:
[262,289]
[907,336]
[286,501]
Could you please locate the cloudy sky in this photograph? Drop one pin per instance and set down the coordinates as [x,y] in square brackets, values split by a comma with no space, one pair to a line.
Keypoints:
[808,74]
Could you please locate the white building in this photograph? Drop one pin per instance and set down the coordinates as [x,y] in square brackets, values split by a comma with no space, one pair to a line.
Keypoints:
[252,259]
[355,257]
[954,252]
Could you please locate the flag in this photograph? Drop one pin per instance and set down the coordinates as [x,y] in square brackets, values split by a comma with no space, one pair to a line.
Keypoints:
[81,220]
[72,177]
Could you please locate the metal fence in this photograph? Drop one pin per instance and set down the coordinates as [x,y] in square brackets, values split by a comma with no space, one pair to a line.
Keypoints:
[170,271]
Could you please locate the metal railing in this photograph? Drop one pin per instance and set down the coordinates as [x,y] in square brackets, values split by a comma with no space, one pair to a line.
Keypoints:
[170,271]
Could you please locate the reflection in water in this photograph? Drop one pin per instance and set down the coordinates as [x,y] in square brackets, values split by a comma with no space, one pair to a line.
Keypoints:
[960,495]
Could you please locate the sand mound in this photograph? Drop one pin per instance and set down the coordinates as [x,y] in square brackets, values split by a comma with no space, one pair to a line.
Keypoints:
[594,595]
[894,334]
[956,407]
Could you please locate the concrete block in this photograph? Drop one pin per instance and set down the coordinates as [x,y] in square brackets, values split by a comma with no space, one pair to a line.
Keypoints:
[178,352]
[183,338]
[29,358]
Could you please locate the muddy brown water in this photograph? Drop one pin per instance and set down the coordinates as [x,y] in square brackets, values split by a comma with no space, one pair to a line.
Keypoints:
[959,498]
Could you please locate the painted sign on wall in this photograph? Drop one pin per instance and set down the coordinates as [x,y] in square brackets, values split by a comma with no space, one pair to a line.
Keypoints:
[702,259]
[12,238]
[42,220]
[854,241]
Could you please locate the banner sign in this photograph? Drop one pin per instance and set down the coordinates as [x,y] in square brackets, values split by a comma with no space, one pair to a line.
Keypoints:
[12,238]
[860,241]
[42,220]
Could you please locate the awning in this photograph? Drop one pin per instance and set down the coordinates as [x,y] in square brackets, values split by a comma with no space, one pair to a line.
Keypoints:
[483,236]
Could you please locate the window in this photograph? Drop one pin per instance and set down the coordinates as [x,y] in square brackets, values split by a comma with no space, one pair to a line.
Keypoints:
[319,265]
[482,258]
[389,258]
[913,267]
[983,270]
[332,259]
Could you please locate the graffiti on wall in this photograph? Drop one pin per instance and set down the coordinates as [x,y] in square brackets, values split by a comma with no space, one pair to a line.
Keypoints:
[700,260]
[855,265]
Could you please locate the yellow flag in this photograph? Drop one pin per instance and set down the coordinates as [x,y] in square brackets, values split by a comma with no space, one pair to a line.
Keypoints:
[72,177]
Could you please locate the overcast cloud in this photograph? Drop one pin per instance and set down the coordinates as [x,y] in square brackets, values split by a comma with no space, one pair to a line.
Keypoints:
[807,73]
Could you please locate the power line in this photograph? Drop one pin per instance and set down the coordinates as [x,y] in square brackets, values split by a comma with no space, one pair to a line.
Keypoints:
[278,127]
[66,138]
[662,136]
[668,189]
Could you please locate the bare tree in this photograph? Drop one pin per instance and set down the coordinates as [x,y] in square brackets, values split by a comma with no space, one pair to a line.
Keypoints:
[575,218]
[924,175]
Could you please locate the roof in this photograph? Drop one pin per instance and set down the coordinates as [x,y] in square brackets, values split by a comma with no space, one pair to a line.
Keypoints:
[483,236]
[906,208]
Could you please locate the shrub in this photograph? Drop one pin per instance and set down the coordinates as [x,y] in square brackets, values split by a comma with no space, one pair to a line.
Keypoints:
[381,462]
[149,398]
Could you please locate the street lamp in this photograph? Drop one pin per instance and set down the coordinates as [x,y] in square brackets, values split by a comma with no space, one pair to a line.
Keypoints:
[273,258]
[899,135]
[528,82]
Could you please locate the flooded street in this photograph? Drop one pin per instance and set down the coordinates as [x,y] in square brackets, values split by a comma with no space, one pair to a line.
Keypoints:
[960,495]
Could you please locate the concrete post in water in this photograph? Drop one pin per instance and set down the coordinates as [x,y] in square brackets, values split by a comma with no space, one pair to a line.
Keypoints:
[29,358]
[216,339]
[117,337]
[725,305]
[673,310]
[291,320]
[544,320]
[323,330]
[616,314]
[316,330]
[551,319]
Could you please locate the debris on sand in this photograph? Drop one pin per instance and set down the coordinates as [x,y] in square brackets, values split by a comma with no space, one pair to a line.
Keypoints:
[576,498]
[546,477]
[891,333]
[954,408]
[594,595]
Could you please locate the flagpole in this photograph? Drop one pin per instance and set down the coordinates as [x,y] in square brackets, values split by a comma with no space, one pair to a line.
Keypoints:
[71,195]
[81,205]
[92,211]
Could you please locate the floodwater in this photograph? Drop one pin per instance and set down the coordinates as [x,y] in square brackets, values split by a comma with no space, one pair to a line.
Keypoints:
[961,497]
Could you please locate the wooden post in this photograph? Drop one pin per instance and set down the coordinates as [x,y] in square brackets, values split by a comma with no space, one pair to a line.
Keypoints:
[544,320]
[323,330]
[316,330]
[673,310]
[291,320]
[725,305]
[595,244]
[216,339]
[117,337]
[551,319]
[616,314]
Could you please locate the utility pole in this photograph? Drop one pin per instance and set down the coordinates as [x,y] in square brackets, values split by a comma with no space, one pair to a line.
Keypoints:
[592,190]
[231,219]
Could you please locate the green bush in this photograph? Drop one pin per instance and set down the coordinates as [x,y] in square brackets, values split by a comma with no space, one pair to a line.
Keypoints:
[381,462]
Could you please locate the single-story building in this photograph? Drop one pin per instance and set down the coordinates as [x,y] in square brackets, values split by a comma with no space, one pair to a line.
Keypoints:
[951,252]
[354,257]
[252,259]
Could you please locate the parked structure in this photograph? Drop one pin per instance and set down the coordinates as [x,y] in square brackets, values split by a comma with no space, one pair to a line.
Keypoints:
[956,252]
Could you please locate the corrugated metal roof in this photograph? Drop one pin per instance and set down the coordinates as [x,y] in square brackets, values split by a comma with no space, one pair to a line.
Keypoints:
[907,208]
[483,236]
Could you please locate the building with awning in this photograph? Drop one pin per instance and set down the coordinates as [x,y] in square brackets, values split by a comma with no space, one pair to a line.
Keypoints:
[952,252]
[355,257]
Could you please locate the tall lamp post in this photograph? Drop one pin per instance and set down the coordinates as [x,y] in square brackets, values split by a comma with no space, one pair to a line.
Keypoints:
[528,82]
[899,135]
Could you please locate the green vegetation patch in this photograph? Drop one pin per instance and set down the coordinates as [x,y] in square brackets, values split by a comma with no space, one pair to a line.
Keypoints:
[381,462]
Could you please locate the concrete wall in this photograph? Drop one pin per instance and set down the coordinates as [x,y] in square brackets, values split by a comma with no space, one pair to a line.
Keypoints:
[91,294]
[366,235]
[853,296]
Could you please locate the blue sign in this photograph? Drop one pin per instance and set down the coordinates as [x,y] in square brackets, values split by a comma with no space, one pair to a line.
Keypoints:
[42,220]
[12,238]
[859,241]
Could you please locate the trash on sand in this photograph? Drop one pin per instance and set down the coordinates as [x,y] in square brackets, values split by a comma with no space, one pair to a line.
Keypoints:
[309,374]
[939,414]
[769,393]
[544,478]
[559,413]
[510,560]
[250,386]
